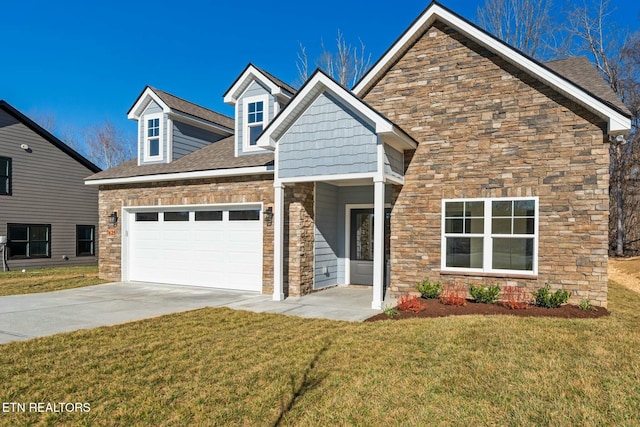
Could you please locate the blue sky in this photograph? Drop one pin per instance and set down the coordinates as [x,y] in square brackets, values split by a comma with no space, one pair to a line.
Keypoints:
[84,61]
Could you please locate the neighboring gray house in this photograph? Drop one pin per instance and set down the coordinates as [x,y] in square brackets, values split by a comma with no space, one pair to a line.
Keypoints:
[47,213]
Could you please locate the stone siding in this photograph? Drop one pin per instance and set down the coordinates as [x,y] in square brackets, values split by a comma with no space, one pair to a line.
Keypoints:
[299,239]
[487,129]
[250,189]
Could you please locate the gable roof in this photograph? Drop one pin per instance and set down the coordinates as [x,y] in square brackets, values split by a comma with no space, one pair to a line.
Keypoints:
[318,83]
[216,156]
[173,104]
[618,119]
[46,135]
[251,72]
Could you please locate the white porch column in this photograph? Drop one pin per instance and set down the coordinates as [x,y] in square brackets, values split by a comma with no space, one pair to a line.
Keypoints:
[278,242]
[378,240]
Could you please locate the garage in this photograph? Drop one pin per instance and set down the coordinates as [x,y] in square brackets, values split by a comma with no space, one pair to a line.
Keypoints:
[205,246]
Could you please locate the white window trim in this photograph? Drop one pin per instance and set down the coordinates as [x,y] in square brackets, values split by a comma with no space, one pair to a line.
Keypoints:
[245,120]
[146,138]
[487,258]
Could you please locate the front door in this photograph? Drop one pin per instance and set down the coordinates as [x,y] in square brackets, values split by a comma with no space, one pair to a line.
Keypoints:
[362,244]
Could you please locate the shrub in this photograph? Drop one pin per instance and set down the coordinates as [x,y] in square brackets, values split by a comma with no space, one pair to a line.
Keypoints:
[515,298]
[545,298]
[485,294]
[585,304]
[409,302]
[390,311]
[454,295]
[429,289]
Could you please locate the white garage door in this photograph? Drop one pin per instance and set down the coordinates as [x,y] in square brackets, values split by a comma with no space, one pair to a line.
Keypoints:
[220,248]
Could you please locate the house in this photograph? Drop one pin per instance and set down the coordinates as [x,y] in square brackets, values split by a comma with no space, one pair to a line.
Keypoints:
[47,214]
[455,158]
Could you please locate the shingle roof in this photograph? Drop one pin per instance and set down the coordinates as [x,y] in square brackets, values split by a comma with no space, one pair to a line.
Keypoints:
[580,71]
[218,155]
[179,104]
[278,82]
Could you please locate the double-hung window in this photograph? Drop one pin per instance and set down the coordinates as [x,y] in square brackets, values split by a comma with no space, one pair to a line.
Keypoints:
[255,120]
[497,235]
[29,240]
[5,176]
[153,137]
[85,240]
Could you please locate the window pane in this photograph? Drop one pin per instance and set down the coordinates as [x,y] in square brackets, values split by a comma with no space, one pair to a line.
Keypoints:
[475,225]
[254,131]
[4,185]
[253,215]
[176,216]
[17,232]
[501,225]
[154,147]
[38,249]
[453,226]
[208,215]
[38,233]
[85,248]
[464,252]
[513,254]
[146,216]
[454,209]
[474,209]
[85,232]
[259,106]
[17,249]
[503,208]
[523,225]
[524,208]
[252,107]
[258,117]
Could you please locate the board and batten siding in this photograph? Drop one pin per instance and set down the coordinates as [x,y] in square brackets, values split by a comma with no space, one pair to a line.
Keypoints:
[327,139]
[152,108]
[254,89]
[188,138]
[47,188]
[326,236]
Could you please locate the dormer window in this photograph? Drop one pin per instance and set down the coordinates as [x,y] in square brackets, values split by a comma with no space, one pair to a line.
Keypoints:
[255,120]
[153,149]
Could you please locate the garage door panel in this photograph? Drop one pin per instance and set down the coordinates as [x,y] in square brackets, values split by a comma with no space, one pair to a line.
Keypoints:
[222,254]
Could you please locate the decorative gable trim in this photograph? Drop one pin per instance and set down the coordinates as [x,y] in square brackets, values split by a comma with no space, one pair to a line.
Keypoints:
[139,107]
[618,121]
[317,84]
[249,74]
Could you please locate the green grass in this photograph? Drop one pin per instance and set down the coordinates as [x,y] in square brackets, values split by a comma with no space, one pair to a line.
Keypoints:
[47,280]
[225,367]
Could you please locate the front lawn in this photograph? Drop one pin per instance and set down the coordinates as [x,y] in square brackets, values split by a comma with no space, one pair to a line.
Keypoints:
[47,279]
[225,367]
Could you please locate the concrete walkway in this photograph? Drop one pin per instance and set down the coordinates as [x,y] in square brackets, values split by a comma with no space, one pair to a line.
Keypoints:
[37,315]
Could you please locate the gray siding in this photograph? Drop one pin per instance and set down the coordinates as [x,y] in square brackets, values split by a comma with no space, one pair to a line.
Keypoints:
[327,139]
[47,188]
[254,89]
[188,138]
[393,161]
[152,108]
[326,236]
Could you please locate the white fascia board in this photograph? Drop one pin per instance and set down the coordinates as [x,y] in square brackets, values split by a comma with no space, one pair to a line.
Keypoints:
[179,176]
[199,123]
[143,102]
[618,123]
[251,73]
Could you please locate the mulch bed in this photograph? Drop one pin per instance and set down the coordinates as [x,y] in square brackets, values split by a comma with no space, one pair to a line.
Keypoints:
[434,308]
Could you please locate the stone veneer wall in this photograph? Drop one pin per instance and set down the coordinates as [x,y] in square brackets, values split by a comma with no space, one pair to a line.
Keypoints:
[258,189]
[299,239]
[487,129]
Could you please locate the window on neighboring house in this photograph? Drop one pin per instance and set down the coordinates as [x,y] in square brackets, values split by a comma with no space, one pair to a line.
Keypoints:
[29,240]
[256,119]
[85,240]
[5,176]
[490,235]
[153,137]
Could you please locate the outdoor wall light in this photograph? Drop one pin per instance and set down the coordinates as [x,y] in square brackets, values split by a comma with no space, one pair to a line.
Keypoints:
[113,218]
[268,215]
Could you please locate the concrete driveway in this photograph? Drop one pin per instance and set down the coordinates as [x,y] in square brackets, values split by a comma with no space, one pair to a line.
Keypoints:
[37,315]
